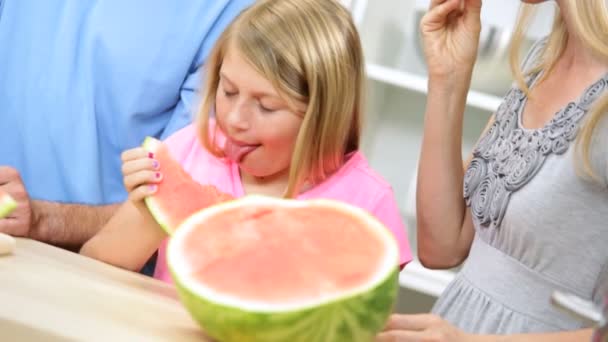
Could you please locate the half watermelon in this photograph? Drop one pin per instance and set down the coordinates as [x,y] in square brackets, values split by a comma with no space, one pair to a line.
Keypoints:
[178,195]
[268,269]
[7,204]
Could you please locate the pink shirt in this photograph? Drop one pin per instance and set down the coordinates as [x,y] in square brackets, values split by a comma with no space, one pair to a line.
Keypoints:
[354,183]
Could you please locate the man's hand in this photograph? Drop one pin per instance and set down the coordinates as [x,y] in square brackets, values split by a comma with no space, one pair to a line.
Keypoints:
[20,221]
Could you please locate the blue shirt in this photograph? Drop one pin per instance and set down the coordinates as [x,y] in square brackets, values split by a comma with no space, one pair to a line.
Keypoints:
[83,80]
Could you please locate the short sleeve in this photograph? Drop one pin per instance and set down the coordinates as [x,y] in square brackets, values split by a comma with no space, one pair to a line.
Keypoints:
[387,211]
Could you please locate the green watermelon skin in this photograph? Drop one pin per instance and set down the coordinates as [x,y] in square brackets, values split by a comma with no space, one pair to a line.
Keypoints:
[355,319]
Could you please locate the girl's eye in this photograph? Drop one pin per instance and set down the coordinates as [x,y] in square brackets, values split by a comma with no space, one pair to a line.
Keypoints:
[229,93]
[266,109]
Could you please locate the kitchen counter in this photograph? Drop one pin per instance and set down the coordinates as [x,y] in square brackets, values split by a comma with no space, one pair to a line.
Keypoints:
[49,294]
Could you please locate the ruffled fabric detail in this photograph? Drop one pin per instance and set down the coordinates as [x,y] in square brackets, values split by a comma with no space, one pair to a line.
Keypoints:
[507,157]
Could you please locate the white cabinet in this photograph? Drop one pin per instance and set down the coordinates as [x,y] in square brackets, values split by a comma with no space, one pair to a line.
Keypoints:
[397,86]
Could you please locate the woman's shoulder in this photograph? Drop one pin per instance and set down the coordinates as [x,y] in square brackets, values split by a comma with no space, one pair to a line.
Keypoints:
[533,56]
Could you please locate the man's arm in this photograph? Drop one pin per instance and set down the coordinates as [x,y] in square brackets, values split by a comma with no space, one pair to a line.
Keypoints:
[68,225]
[217,16]
[62,224]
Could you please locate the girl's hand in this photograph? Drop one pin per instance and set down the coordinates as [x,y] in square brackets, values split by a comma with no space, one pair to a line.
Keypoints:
[140,174]
[418,328]
[450,34]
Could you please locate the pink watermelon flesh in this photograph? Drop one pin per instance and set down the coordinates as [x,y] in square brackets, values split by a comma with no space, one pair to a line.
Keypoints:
[178,195]
[295,259]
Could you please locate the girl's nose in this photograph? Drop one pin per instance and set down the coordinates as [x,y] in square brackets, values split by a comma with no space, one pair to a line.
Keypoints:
[238,118]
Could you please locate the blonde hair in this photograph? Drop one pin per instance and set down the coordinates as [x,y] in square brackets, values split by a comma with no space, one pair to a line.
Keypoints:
[310,51]
[590,21]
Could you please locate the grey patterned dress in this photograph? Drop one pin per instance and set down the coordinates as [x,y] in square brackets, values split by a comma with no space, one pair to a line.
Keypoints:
[539,226]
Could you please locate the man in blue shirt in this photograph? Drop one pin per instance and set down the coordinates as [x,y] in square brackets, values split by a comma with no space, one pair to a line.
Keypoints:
[83,80]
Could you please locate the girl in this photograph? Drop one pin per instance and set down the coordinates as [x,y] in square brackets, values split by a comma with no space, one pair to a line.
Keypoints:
[285,84]
[529,215]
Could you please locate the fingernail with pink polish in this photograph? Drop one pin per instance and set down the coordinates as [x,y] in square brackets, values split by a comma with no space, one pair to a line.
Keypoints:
[155,164]
[158,175]
[152,188]
[150,155]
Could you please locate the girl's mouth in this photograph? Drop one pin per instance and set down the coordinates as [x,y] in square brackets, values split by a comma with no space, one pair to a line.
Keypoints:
[236,150]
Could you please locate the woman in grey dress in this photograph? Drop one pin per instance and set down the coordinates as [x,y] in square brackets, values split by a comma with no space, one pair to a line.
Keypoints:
[530,213]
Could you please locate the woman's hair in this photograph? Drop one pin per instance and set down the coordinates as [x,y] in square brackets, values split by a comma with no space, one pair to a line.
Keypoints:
[590,21]
[310,51]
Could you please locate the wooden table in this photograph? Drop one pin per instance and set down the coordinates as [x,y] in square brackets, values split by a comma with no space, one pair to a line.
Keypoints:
[49,294]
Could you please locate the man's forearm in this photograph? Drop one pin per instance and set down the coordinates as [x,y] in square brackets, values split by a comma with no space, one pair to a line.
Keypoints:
[68,225]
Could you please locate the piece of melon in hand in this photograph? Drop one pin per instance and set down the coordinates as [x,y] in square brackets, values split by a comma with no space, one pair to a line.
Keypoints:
[270,269]
[7,204]
[178,195]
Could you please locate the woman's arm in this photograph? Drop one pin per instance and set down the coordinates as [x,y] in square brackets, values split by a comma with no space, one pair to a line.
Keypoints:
[451,36]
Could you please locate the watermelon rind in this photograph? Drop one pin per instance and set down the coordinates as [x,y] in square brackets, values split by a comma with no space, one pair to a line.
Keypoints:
[151,145]
[354,315]
[7,205]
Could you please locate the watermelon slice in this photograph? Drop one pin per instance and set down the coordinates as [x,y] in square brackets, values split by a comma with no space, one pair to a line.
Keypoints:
[7,204]
[178,195]
[268,269]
